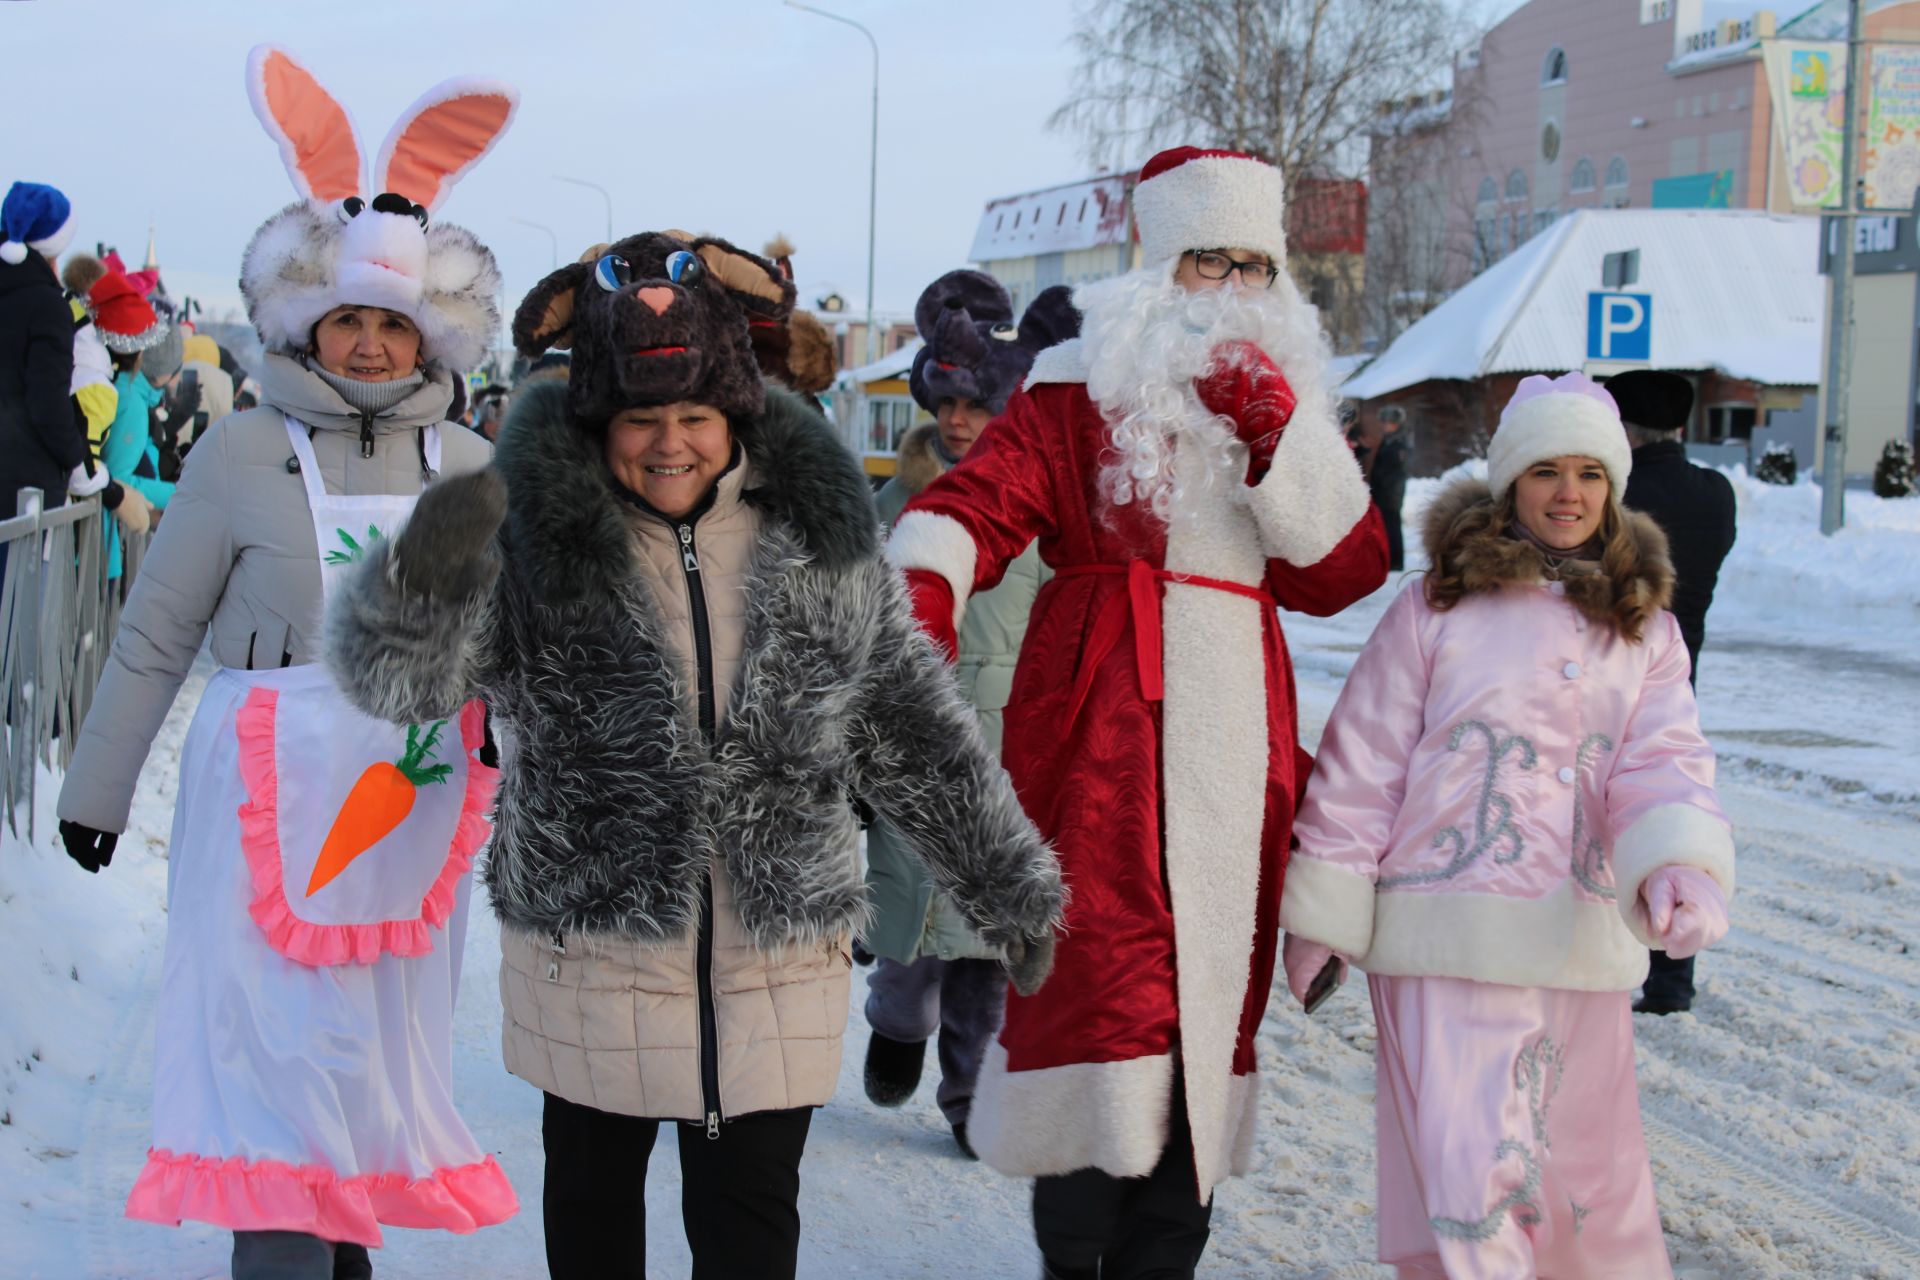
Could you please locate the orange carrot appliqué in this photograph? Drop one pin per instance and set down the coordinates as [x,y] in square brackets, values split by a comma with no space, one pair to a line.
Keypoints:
[379,802]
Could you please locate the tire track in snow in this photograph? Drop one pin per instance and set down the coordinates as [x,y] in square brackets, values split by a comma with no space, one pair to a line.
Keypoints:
[1870,1229]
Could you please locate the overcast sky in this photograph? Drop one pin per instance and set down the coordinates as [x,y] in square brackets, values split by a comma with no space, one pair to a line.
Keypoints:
[739,117]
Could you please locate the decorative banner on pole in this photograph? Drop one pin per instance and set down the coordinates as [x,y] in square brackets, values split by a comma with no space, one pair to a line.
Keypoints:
[1808,82]
[1892,167]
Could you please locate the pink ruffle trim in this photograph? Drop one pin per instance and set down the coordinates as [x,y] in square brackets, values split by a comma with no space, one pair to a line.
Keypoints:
[242,1195]
[330,944]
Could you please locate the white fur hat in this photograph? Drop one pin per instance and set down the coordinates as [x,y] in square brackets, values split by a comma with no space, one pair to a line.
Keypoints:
[334,247]
[1571,415]
[1188,198]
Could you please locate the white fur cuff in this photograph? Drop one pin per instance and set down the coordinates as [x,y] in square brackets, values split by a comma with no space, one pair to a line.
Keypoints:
[1312,495]
[929,540]
[1328,904]
[1672,835]
[1110,1116]
[1064,362]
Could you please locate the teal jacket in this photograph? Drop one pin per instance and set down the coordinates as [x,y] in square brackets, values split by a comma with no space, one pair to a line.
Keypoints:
[910,919]
[128,444]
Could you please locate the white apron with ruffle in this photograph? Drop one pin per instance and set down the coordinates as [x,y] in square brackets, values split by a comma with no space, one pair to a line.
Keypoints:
[317,896]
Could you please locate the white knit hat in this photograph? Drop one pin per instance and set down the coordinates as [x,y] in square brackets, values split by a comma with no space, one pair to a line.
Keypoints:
[1571,415]
[1188,198]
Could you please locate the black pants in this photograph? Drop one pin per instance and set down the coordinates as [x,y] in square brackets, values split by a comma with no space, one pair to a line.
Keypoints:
[739,1194]
[1669,981]
[1089,1223]
[289,1255]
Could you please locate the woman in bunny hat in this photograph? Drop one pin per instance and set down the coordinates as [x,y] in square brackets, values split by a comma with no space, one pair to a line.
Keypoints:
[318,875]
[1512,802]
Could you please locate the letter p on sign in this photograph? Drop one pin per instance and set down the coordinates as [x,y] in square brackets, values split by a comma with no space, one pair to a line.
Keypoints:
[1619,326]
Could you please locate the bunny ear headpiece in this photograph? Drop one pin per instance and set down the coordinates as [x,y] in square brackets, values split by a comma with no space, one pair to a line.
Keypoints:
[344,244]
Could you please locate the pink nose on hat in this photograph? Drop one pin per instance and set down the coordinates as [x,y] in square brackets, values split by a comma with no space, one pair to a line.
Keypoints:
[658,298]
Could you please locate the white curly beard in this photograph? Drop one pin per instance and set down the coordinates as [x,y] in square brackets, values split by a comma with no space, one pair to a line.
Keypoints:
[1146,339]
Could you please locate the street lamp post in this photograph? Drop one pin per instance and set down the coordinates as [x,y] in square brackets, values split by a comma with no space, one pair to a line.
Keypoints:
[582,182]
[873,167]
[553,239]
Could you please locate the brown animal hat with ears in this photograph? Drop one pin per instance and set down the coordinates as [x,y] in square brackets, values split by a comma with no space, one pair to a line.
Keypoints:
[657,318]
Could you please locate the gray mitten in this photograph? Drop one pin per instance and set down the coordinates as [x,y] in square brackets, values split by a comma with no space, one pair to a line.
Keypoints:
[1029,961]
[446,549]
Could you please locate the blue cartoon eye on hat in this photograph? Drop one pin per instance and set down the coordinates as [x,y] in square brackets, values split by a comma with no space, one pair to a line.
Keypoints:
[684,268]
[612,272]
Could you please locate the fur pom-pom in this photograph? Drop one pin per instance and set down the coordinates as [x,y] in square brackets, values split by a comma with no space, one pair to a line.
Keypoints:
[777,248]
[14,252]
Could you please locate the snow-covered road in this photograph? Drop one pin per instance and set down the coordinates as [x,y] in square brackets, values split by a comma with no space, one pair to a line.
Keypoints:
[1783,1113]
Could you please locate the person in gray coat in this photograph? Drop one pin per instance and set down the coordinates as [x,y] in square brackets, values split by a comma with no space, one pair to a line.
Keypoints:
[932,972]
[318,867]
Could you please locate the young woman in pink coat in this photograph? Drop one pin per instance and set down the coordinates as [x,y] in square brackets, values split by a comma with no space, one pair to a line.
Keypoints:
[1512,803]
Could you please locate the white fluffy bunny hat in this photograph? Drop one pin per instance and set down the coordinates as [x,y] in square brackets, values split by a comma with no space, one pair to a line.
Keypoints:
[335,247]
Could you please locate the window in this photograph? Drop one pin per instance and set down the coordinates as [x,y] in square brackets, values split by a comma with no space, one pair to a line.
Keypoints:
[1489,191]
[1730,422]
[1517,187]
[1582,180]
[1554,70]
[888,418]
[1543,218]
[1617,174]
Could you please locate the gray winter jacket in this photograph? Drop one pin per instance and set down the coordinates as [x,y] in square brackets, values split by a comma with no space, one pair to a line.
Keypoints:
[619,825]
[234,562]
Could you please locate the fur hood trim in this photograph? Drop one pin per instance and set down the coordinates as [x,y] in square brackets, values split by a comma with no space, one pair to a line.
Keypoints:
[1460,537]
[919,464]
[564,517]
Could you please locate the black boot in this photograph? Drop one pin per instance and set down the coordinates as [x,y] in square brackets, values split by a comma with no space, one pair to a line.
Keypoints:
[1662,1005]
[893,1069]
[1048,1271]
[960,1136]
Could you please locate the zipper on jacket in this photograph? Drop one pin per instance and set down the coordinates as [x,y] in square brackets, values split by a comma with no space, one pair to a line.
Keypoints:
[557,946]
[703,953]
[366,433]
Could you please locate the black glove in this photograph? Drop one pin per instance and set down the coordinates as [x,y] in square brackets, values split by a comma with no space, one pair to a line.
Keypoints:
[1029,961]
[91,849]
[446,549]
[185,401]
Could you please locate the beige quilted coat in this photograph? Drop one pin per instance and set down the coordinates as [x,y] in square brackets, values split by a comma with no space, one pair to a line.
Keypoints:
[614,1024]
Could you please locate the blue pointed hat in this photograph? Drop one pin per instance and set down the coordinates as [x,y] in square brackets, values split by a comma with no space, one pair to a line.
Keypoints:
[37,217]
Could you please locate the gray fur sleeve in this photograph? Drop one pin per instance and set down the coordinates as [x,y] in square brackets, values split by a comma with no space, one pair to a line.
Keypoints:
[403,656]
[923,764]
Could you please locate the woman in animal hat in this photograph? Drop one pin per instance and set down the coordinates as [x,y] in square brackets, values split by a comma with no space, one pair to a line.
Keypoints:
[318,875]
[932,972]
[1512,802]
[680,614]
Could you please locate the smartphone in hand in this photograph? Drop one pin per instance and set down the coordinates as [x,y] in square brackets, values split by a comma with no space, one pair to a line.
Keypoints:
[1324,984]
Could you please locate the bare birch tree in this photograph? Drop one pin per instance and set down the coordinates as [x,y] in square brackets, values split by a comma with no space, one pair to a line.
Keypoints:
[1295,82]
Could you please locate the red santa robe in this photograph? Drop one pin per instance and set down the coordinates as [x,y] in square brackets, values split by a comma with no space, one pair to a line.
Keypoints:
[1152,737]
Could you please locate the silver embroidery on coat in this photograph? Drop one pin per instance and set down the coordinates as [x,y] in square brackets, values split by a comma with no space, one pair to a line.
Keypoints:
[1589,852]
[1531,1071]
[1580,1213]
[1493,820]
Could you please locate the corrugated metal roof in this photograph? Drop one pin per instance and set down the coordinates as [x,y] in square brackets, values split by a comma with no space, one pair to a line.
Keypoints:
[1079,215]
[1733,290]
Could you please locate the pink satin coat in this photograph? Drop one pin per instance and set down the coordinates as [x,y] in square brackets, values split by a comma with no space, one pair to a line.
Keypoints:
[1495,784]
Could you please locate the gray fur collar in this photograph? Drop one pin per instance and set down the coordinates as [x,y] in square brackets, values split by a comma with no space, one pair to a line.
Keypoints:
[565,523]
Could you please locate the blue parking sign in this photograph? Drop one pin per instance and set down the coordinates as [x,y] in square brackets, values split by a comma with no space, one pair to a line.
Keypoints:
[1619,326]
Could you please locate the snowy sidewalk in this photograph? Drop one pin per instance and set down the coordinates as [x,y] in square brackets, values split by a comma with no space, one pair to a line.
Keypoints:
[1783,1114]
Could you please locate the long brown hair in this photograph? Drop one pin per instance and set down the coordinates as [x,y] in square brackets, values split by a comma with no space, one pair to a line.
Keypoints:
[1471,552]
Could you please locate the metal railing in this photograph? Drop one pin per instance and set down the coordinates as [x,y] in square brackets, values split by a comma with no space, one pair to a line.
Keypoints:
[58,614]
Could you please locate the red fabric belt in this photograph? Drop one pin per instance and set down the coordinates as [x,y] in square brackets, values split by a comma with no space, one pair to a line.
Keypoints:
[1139,607]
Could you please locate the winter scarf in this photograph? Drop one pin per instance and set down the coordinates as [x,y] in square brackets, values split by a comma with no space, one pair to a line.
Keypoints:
[371,397]
[308,396]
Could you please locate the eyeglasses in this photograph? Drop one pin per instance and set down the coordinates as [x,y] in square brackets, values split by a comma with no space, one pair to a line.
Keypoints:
[1212,264]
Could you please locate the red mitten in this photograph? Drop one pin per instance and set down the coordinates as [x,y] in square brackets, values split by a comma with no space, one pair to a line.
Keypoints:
[932,597]
[1249,389]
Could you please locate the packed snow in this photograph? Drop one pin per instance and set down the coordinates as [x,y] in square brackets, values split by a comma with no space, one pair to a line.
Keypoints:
[1783,1113]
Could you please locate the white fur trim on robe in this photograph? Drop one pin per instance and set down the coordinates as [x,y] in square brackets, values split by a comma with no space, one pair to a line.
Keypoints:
[1328,904]
[1559,941]
[1214,789]
[1063,362]
[1312,495]
[930,540]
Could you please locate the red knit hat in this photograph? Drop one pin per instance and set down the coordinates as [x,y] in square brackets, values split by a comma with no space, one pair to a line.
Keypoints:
[1196,198]
[126,320]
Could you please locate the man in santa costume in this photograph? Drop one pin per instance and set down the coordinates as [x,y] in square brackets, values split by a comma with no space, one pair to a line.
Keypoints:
[1182,467]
